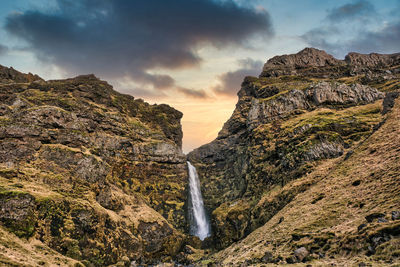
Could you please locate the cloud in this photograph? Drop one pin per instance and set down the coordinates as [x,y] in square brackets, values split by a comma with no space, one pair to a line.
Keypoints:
[229,82]
[158,81]
[360,9]
[124,38]
[319,37]
[143,93]
[395,11]
[355,27]
[3,49]
[193,93]
[386,40]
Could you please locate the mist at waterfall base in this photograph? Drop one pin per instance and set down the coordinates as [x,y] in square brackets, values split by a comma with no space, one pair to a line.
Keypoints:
[199,224]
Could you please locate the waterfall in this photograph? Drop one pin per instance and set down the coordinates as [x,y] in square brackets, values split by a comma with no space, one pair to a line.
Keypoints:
[199,225]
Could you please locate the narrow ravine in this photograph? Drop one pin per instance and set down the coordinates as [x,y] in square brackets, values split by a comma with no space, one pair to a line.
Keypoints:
[199,224]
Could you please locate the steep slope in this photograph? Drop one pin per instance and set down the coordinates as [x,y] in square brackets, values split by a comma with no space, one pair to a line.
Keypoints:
[349,212]
[303,112]
[93,174]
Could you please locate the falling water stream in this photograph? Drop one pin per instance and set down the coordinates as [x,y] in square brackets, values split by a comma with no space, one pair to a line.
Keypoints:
[199,224]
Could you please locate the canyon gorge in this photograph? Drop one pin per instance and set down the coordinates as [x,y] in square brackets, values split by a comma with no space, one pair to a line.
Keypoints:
[306,171]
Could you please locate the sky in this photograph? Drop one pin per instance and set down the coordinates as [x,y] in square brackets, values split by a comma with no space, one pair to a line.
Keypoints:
[190,54]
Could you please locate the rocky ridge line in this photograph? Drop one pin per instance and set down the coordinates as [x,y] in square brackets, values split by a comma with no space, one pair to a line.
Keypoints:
[313,62]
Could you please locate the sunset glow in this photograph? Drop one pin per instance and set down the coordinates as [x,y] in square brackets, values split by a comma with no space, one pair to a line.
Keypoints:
[191,55]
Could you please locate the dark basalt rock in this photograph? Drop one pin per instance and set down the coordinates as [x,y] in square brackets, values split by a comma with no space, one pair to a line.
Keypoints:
[361,226]
[388,101]
[373,216]
[395,215]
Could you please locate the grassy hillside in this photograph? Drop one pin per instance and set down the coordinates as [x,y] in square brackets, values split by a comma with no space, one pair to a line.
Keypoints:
[328,214]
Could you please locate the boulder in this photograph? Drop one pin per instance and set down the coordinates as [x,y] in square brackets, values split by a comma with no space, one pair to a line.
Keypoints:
[373,216]
[395,215]
[301,253]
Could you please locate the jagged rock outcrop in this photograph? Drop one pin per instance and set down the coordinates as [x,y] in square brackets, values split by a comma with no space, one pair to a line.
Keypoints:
[363,62]
[323,93]
[313,62]
[303,109]
[306,58]
[10,75]
[96,175]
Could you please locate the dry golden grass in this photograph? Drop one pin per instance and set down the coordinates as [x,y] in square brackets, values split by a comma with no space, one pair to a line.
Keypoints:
[18,252]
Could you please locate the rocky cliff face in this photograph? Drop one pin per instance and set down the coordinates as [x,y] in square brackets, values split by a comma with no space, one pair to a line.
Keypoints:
[344,213]
[93,174]
[312,62]
[305,110]
[9,75]
[306,169]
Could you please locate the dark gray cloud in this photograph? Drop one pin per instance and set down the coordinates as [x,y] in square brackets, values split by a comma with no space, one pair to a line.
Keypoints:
[387,40]
[395,12]
[229,82]
[124,38]
[3,49]
[193,93]
[319,38]
[359,20]
[360,9]
[142,93]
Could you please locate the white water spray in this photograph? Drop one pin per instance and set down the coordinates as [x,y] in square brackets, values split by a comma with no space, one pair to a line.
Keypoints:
[199,225]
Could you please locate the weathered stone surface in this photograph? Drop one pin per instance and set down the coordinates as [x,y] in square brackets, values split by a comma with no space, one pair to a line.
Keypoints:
[388,101]
[313,62]
[103,166]
[306,58]
[17,212]
[324,150]
[342,94]
[301,253]
[323,93]
[11,75]
[366,62]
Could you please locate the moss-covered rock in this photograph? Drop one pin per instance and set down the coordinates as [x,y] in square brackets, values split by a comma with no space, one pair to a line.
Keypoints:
[95,167]
[18,212]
